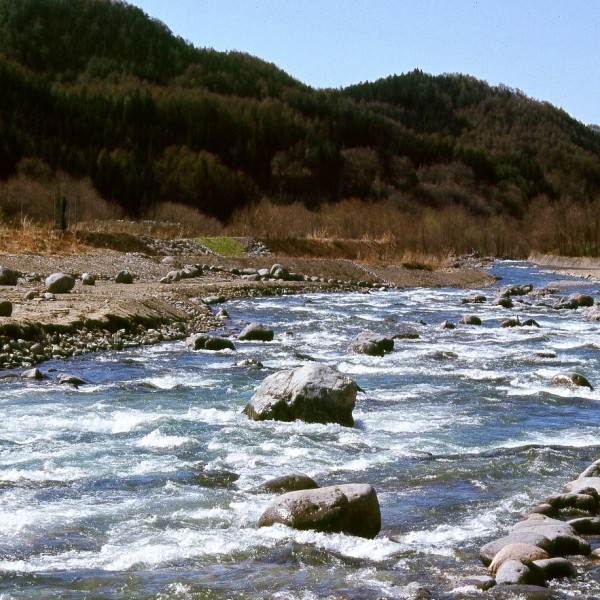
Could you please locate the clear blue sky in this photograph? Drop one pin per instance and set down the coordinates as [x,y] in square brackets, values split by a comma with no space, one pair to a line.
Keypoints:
[549,49]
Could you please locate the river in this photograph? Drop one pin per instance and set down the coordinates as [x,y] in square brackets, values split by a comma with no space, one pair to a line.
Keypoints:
[138,484]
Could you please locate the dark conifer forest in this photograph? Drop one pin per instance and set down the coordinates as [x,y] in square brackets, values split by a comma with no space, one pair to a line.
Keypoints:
[98,89]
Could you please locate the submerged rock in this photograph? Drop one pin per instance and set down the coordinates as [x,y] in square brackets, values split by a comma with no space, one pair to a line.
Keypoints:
[470,320]
[571,380]
[313,393]
[352,509]
[288,483]
[203,341]
[371,344]
[34,374]
[70,379]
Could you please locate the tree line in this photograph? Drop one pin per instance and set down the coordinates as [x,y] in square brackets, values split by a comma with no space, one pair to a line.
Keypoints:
[98,89]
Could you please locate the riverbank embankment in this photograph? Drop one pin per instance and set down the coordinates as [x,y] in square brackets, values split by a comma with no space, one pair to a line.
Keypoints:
[579,266]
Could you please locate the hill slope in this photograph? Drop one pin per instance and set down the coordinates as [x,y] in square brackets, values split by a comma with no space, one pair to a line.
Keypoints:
[97,88]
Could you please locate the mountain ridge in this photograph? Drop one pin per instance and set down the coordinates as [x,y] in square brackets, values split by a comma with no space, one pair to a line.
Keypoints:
[98,89]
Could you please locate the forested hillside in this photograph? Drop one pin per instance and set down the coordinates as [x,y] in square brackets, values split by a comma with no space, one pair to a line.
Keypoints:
[98,89]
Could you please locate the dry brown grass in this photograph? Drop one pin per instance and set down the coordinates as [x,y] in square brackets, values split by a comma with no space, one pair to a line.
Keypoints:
[38,239]
[397,230]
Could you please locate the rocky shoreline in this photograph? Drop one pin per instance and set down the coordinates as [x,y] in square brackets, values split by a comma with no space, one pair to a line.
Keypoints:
[169,298]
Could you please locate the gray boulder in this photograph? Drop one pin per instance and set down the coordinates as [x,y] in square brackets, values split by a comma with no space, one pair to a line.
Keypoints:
[584,502]
[203,341]
[190,272]
[489,551]
[514,572]
[570,380]
[512,322]
[470,320]
[124,277]
[34,374]
[288,483]
[8,276]
[371,344]
[278,271]
[70,379]
[256,332]
[88,279]
[313,393]
[584,300]
[592,470]
[352,509]
[586,525]
[6,308]
[517,551]
[249,363]
[563,538]
[504,302]
[480,582]
[584,485]
[555,568]
[59,283]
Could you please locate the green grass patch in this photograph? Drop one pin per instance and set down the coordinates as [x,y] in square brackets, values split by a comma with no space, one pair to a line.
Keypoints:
[223,245]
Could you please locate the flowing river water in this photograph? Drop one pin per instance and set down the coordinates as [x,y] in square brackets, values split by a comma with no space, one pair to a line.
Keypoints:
[138,484]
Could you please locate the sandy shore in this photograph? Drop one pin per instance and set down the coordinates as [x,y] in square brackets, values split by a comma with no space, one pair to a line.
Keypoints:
[110,315]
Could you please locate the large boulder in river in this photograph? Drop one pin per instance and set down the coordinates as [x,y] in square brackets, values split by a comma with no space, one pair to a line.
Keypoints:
[256,332]
[352,509]
[371,344]
[59,283]
[313,393]
[8,276]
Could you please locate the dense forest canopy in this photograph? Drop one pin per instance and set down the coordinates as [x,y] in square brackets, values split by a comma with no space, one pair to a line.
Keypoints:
[98,89]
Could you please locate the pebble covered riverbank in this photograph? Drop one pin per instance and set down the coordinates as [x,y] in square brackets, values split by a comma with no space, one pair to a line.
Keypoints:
[170,297]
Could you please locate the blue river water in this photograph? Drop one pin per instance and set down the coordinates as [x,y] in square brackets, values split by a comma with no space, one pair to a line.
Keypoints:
[138,484]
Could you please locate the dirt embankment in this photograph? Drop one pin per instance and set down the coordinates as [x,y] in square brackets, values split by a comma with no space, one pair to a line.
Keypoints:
[111,315]
[581,266]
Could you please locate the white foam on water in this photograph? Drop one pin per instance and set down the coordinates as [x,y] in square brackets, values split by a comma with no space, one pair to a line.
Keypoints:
[185,380]
[445,540]
[574,438]
[120,421]
[50,472]
[214,415]
[156,439]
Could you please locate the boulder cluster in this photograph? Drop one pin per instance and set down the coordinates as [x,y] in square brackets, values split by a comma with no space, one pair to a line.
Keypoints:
[537,549]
